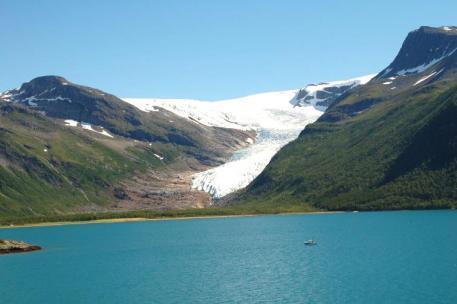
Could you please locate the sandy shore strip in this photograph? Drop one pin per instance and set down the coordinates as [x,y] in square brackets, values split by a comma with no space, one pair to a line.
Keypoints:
[144,219]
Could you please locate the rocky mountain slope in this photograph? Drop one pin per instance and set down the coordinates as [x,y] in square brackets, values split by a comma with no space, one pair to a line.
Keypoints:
[324,94]
[388,144]
[70,148]
[87,107]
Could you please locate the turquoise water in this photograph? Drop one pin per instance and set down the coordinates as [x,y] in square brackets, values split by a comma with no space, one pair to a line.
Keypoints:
[379,257]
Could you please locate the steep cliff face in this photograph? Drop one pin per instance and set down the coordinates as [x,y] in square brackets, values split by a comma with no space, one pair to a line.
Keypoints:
[422,49]
[428,55]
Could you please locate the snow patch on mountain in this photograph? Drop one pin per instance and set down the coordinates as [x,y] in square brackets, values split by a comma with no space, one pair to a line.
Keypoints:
[86,126]
[14,96]
[427,77]
[321,95]
[449,28]
[71,123]
[158,156]
[89,127]
[421,68]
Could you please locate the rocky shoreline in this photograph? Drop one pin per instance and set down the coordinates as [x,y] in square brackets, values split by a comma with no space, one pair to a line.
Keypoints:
[10,246]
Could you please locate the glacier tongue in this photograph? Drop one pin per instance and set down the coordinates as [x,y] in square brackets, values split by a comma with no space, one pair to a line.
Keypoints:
[246,164]
[276,127]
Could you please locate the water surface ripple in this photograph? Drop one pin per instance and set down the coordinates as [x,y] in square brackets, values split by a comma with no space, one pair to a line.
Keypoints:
[379,257]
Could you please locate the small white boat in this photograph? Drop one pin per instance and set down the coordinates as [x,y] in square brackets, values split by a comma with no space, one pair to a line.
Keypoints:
[310,243]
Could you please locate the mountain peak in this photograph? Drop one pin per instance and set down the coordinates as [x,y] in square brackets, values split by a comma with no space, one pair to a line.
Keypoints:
[60,98]
[38,88]
[49,78]
[449,30]
[42,83]
[423,48]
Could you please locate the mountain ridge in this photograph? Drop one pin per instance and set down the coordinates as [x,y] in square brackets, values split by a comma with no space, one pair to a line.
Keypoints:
[71,148]
[388,144]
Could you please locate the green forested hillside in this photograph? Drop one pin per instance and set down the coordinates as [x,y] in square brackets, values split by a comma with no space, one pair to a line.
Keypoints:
[402,153]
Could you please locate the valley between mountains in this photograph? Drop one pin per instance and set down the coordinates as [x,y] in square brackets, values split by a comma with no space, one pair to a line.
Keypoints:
[381,141]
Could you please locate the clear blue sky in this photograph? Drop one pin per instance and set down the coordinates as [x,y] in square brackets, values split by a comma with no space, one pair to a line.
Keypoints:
[205,49]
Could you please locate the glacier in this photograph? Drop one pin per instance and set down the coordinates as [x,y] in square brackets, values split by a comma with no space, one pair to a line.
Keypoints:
[246,164]
[276,117]
[272,115]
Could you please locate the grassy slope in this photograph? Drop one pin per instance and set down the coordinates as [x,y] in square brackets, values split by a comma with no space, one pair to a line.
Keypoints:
[75,169]
[80,170]
[399,154]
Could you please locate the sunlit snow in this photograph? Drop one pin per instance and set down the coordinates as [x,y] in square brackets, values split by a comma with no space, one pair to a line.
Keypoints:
[447,28]
[246,164]
[158,156]
[71,123]
[312,90]
[425,66]
[86,126]
[427,77]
